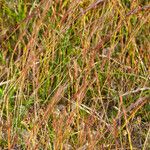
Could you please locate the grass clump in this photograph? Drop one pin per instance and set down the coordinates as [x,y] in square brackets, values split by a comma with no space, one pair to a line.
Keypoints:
[74,74]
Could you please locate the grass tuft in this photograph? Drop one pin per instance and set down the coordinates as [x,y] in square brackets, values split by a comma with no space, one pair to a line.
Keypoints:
[74,74]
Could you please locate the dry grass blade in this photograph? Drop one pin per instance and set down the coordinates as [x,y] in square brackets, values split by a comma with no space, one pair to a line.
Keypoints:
[50,109]
[134,106]
[135,91]
[93,5]
[147,140]
[55,99]
[62,65]
[5,82]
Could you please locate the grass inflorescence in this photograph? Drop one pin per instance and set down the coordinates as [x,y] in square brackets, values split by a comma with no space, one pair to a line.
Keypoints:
[74,74]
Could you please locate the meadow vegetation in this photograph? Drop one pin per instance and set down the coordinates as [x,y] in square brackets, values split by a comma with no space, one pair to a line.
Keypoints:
[74,74]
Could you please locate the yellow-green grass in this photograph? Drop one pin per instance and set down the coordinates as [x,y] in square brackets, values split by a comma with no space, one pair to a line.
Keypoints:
[74,74]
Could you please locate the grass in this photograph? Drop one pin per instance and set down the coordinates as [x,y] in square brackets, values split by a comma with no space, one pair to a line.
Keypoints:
[74,74]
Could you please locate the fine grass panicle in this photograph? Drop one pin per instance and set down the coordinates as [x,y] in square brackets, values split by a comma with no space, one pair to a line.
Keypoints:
[74,75]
